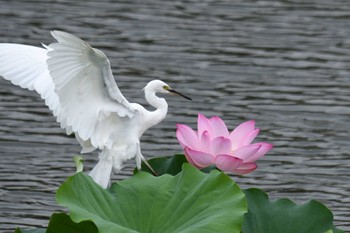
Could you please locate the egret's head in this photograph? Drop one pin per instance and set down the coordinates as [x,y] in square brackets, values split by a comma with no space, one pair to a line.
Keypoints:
[158,86]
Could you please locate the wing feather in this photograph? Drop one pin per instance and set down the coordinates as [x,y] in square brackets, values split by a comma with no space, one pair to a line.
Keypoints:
[76,82]
[26,66]
[84,84]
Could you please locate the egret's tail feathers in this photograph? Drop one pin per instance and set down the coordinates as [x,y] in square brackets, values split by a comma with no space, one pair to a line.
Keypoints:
[101,173]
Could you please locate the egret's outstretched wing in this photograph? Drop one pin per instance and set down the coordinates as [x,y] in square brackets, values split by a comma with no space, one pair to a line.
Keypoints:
[26,67]
[76,82]
[85,86]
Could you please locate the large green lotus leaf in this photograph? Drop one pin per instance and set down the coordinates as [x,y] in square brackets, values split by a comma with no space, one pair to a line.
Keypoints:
[169,165]
[284,216]
[189,202]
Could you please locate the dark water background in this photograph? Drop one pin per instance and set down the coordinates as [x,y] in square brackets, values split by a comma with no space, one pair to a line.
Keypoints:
[285,64]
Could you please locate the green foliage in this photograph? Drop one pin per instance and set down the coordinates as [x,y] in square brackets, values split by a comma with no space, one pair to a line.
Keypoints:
[19,230]
[169,165]
[182,199]
[284,216]
[60,223]
[191,201]
[78,161]
[165,165]
[279,212]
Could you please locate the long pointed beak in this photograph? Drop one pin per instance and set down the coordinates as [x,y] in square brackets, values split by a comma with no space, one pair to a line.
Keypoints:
[178,93]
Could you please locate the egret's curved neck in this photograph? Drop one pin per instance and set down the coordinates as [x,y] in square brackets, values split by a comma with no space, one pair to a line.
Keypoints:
[159,103]
[161,108]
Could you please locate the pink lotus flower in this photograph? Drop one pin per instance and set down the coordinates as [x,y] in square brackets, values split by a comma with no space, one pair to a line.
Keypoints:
[212,144]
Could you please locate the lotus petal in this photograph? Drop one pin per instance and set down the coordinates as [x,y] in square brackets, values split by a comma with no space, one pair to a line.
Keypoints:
[239,133]
[203,124]
[264,148]
[205,141]
[245,168]
[186,136]
[219,127]
[246,152]
[227,163]
[220,145]
[200,159]
[249,138]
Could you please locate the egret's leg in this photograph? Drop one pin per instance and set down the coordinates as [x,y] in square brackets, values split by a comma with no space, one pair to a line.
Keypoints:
[138,160]
[140,157]
[149,166]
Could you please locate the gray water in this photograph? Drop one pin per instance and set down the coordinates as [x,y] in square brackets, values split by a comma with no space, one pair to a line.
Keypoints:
[285,64]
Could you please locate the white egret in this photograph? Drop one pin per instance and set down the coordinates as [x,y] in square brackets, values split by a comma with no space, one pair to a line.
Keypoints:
[77,84]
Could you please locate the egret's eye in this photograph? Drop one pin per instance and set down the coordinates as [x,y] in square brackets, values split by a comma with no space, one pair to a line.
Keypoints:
[166,88]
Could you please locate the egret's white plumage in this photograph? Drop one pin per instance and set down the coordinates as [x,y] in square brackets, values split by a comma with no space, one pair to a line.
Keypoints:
[77,84]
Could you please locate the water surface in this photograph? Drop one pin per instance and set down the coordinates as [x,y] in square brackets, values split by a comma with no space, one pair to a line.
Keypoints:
[283,63]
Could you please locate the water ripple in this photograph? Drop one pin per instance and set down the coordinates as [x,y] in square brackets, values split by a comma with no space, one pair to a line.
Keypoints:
[283,63]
